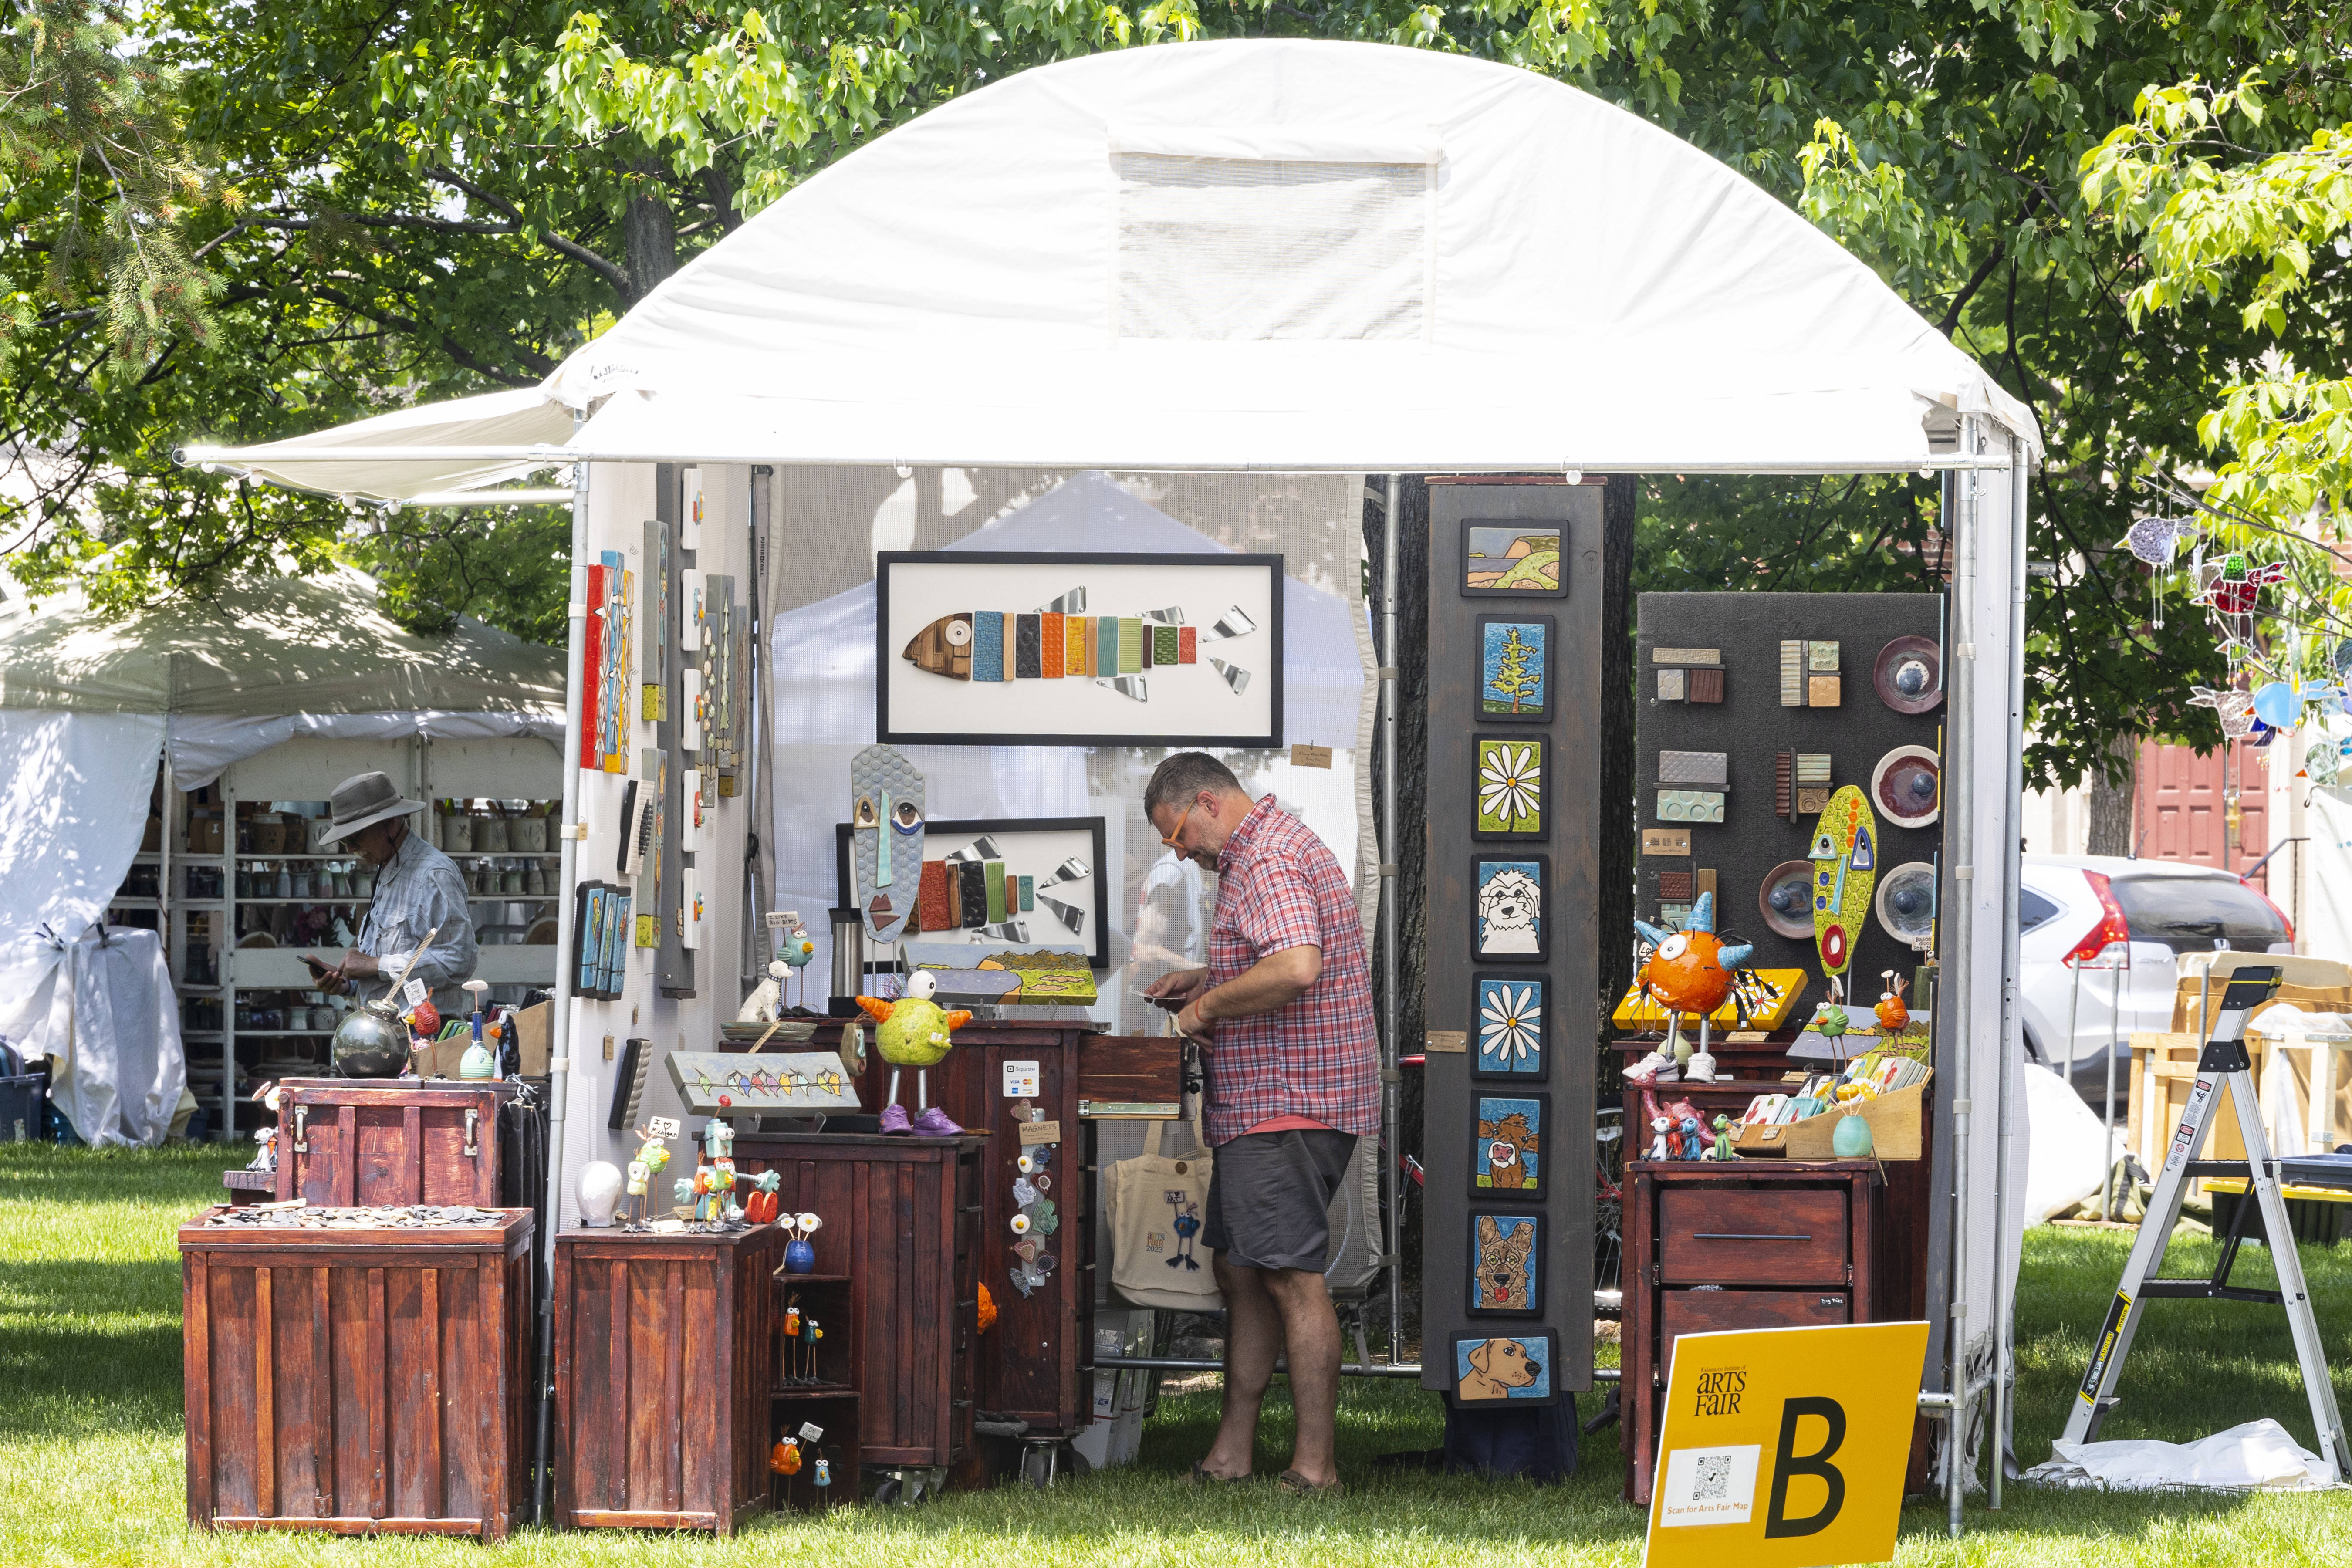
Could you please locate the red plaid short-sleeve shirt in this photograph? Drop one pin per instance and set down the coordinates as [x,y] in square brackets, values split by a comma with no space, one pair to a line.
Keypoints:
[1279,886]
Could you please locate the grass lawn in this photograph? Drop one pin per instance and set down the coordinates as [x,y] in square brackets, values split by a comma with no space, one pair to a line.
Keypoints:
[91,1463]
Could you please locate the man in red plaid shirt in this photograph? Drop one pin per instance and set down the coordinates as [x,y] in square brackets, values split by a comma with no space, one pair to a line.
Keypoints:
[1284,1011]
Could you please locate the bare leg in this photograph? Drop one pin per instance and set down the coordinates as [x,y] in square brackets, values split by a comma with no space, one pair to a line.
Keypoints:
[1253,1338]
[1311,1329]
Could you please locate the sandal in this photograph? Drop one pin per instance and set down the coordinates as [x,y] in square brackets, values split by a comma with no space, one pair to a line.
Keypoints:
[1298,1485]
[1202,1478]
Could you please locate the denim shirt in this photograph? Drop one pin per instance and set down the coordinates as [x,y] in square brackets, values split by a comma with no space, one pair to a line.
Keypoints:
[419,889]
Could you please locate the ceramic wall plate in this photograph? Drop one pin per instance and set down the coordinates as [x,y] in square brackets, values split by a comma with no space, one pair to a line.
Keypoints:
[1909,674]
[1785,899]
[1906,902]
[1908,787]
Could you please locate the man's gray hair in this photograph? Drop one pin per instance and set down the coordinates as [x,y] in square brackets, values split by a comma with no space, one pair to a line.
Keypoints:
[1180,779]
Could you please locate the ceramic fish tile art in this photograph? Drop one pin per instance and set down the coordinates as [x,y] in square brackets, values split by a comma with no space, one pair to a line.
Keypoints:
[1059,641]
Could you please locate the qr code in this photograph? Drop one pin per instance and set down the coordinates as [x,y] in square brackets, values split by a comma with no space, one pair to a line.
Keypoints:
[1711,1482]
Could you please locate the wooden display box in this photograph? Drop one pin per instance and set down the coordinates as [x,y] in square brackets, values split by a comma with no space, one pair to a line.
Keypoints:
[899,1248]
[663,1354]
[358,1381]
[1894,1119]
[346,1141]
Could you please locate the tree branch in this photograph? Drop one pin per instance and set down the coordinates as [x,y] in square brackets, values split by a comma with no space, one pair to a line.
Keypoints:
[555,241]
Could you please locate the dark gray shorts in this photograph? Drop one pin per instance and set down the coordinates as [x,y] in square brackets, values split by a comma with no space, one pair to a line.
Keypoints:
[1270,1196]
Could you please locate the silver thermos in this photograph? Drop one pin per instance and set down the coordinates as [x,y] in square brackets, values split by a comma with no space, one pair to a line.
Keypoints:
[848,962]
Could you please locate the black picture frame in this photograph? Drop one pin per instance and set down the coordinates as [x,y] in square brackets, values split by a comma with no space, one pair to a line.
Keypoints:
[887,661]
[1542,712]
[1493,1266]
[1495,1105]
[1541,832]
[1099,955]
[1509,989]
[1461,1350]
[1506,920]
[1470,527]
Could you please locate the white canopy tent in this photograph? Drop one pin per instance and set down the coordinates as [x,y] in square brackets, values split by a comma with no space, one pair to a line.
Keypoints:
[1291,255]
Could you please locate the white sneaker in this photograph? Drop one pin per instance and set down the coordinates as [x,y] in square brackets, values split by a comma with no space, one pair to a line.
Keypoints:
[1658,1067]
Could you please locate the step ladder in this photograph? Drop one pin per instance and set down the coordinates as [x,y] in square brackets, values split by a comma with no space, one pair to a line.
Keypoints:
[2223,1065]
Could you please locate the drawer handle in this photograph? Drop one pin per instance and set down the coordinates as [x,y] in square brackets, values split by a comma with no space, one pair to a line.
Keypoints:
[1742,1236]
[301,1129]
[473,1119]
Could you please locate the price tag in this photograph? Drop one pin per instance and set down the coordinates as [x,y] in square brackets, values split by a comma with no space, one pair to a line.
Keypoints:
[670,1227]
[1302,755]
[1456,1041]
[1019,1080]
[811,1432]
[665,1126]
[1040,1132]
[415,990]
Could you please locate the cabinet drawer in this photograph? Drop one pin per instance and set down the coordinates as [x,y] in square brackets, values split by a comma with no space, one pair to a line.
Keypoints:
[1711,1311]
[1752,1235]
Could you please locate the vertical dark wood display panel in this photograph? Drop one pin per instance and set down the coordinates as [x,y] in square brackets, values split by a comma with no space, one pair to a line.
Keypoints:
[1575,738]
[673,961]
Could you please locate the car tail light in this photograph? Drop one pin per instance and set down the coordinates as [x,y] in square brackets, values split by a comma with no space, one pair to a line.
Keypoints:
[2107,945]
[2275,909]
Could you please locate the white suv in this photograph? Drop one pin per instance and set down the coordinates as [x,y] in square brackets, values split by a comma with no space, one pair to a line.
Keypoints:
[2095,907]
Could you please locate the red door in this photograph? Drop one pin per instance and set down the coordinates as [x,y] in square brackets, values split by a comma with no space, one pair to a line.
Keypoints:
[2181,809]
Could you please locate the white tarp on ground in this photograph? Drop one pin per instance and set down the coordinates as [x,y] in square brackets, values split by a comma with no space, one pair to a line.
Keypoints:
[2258,1455]
[1270,254]
[2066,1136]
[102,1007]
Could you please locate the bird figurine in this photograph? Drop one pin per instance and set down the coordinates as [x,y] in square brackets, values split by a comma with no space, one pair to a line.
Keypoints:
[799,947]
[916,1032]
[1692,971]
[1892,1013]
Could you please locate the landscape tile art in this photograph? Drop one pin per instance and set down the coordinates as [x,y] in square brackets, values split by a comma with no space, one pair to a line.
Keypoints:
[1507,558]
[1515,668]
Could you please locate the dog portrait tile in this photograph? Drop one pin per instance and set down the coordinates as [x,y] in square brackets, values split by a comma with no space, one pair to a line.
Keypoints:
[1505,1264]
[1515,668]
[1499,1368]
[1511,785]
[1506,1151]
[1507,914]
[1512,1026]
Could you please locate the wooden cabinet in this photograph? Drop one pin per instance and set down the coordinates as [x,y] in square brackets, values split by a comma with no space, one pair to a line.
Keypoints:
[346,1141]
[665,1353]
[1753,1244]
[1028,1365]
[357,1381]
[897,1250]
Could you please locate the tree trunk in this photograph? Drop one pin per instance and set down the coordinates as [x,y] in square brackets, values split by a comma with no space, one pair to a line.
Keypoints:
[2108,801]
[649,230]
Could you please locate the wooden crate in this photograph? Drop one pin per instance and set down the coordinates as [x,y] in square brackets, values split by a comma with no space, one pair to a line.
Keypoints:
[664,1355]
[901,1220]
[358,1381]
[345,1142]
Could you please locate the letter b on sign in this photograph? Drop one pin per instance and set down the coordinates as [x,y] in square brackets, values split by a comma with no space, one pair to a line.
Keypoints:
[1787,1464]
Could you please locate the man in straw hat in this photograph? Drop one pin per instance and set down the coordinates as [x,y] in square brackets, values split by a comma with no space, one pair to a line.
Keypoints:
[418,889]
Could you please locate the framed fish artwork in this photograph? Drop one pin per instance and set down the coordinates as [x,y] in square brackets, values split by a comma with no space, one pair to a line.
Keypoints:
[1511,788]
[1032,648]
[1021,885]
[1515,683]
[1506,915]
[1505,560]
[1513,1026]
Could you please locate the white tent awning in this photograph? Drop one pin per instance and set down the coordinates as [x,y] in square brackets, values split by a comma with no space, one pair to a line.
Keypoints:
[1264,254]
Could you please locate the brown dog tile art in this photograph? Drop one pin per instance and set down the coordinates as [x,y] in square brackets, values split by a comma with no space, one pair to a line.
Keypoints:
[1505,1264]
[1501,1368]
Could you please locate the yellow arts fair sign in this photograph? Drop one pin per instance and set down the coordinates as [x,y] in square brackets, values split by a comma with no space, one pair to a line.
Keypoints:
[1785,1448]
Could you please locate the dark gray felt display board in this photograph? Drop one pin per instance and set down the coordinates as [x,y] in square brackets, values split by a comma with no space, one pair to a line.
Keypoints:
[1750,726]
[1570,847]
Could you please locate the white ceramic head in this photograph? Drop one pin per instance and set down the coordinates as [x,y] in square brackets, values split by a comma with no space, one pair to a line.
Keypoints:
[600,1193]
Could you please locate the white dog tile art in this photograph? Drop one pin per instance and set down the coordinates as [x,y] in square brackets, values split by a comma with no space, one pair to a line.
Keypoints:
[1510,909]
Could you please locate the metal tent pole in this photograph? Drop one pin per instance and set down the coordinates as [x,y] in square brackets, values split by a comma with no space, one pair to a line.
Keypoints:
[1391,1048]
[559,1065]
[2004,1329]
[1959,932]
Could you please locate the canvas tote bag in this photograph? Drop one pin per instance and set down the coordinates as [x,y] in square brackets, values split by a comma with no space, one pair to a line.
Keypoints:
[1157,1206]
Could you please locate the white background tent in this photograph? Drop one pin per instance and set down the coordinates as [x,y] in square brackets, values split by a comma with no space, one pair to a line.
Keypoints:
[1296,256]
